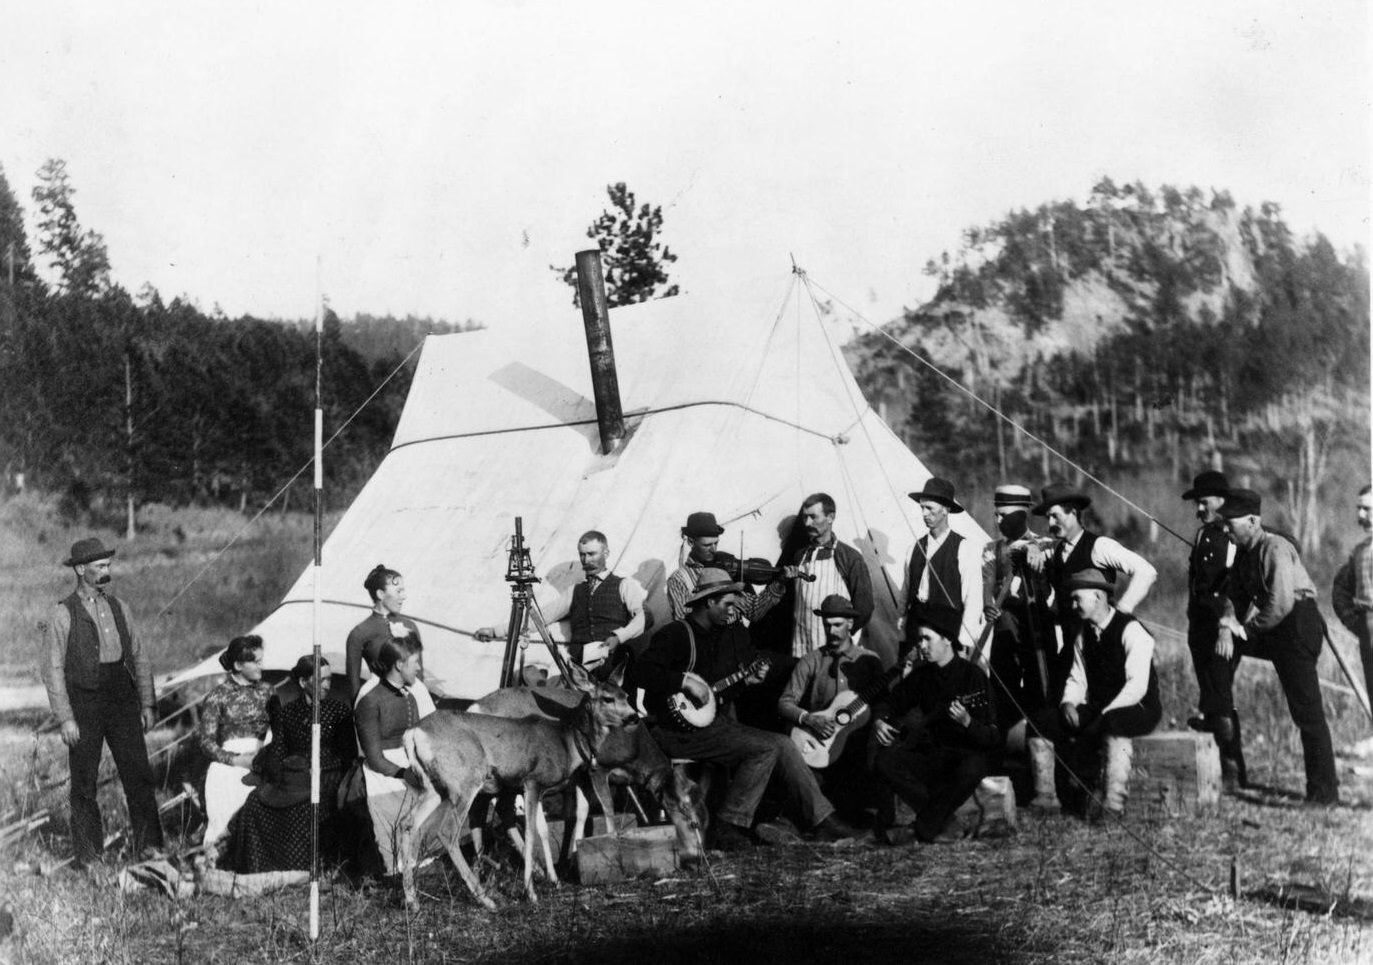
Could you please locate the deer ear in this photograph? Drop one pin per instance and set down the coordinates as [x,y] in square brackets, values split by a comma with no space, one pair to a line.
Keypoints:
[580,680]
[617,677]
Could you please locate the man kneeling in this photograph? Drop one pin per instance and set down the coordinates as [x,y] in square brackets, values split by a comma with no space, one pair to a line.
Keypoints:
[1111,696]
[935,730]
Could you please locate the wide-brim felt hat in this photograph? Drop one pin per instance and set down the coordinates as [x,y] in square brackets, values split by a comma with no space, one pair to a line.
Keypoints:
[1208,483]
[713,582]
[292,785]
[1241,502]
[87,551]
[1088,580]
[702,524]
[939,490]
[947,623]
[1060,494]
[836,605]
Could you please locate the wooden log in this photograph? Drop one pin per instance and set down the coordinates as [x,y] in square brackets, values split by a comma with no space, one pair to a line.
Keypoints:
[631,853]
[1174,773]
[990,811]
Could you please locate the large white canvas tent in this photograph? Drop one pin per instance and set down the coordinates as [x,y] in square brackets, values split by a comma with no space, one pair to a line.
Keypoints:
[738,408]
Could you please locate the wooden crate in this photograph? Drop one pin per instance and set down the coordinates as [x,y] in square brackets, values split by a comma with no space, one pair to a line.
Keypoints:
[1175,772]
[636,851]
[990,811]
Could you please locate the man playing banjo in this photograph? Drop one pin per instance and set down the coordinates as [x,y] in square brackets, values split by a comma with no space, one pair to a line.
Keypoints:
[686,663]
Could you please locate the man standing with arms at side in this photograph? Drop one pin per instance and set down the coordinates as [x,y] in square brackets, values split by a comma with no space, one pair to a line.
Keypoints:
[1273,608]
[1352,593]
[1214,655]
[825,567]
[100,688]
[944,578]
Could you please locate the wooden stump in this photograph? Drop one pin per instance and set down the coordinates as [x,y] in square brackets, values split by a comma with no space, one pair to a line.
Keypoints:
[990,811]
[634,852]
[1174,773]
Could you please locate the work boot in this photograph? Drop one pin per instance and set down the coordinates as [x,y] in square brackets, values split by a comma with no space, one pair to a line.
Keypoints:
[730,837]
[1204,725]
[1224,730]
[1042,763]
[1241,771]
[833,829]
[1120,754]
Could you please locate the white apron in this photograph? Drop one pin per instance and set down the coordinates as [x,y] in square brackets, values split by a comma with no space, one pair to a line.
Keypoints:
[810,629]
[225,791]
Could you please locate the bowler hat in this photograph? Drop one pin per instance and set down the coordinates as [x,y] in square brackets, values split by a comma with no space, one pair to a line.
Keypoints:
[947,623]
[836,605]
[1060,494]
[941,491]
[1088,580]
[1241,502]
[1012,495]
[292,785]
[1208,483]
[702,524]
[713,582]
[87,551]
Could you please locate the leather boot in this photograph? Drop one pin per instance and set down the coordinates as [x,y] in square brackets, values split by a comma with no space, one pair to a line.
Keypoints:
[1042,764]
[1120,755]
[1238,746]
[1224,730]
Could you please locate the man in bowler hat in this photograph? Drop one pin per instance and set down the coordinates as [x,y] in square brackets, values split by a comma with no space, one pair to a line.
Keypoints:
[100,688]
[700,550]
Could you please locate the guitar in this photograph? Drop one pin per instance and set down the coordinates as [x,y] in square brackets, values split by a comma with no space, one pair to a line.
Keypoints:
[850,711]
[687,714]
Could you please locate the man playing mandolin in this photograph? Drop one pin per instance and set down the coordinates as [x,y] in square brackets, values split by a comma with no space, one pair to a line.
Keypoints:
[935,731]
[822,700]
[690,666]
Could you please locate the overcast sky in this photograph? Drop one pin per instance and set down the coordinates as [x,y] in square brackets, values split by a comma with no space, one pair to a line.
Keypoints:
[436,161]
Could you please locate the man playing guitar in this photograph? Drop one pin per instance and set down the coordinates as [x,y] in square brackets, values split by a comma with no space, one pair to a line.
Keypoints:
[935,730]
[822,686]
[688,656]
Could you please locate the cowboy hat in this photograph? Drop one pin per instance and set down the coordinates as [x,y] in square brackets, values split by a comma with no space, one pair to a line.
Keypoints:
[1208,483]
[701,524]
[836,605]
[939,490]
[713,582]
[1060,494]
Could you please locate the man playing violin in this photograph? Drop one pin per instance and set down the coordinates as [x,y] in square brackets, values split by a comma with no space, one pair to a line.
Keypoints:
[688,657]
[935,731]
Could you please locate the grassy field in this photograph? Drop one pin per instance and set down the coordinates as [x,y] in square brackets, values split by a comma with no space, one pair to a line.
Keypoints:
[1057,891]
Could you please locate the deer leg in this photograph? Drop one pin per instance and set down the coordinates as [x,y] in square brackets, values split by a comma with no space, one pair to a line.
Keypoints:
[531,804]
[600,786]
[462,804]
[409,829]
[546,843]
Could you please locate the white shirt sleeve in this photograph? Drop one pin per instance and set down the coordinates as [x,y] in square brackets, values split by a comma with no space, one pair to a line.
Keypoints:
[1075,690]
[632,595]
[970,575]
[1107,552]
[1139,656]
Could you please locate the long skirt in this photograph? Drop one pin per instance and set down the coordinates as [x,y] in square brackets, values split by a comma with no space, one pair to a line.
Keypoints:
[225,791]
[265,838]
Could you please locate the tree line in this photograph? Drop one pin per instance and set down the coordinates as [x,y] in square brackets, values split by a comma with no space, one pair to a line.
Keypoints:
[1142,328]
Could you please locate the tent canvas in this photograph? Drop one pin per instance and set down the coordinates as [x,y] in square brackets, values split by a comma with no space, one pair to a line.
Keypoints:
[738,408]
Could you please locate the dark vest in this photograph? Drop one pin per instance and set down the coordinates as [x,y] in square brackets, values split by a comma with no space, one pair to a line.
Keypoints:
[1207,574]
[946,583]
[593,616]
[83,643]
[1079,559]
[1103,657]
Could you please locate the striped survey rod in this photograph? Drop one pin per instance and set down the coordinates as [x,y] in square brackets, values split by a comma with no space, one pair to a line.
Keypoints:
[314,683]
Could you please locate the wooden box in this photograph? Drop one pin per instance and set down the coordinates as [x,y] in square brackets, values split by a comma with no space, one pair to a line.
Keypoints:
[636,851]
[990,811]
[1174,772]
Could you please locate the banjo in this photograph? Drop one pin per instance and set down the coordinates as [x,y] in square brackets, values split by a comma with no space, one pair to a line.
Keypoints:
[684,710]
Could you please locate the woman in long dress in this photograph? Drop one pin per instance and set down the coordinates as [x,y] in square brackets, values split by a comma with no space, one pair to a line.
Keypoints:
[272,831]
[233,728]
[386,588]
[383,714]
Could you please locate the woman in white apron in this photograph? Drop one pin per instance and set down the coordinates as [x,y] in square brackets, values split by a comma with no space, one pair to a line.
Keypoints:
[383,714]
[233,728]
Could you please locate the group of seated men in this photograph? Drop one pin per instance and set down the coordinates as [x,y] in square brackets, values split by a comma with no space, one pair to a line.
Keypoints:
[1023,644]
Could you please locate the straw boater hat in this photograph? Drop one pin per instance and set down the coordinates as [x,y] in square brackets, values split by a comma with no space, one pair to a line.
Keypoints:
[713,582]
[701,524]
[836,605]
[87,551]
[947,623]
[1208,483]
[1241,502]
[1089,580]
[941,491]
[1060,494]
[1013,496]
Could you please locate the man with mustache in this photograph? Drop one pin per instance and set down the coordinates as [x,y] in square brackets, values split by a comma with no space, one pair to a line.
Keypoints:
[1214,654]
[944,576]
[826,566]
[1352,593]
[1077,548]
[1020,650]
[1272,607]
[100,687]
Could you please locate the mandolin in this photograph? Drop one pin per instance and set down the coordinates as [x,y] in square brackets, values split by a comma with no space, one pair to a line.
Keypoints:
[685,711]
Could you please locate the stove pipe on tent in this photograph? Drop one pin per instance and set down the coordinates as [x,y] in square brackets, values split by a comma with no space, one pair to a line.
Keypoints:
[604,382]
